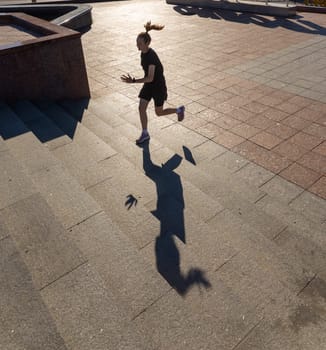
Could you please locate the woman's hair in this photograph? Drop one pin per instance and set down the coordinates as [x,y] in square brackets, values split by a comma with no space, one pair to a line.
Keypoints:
[148,26]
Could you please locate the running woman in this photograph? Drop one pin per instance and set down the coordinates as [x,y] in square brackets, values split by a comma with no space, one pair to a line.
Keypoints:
[154,82]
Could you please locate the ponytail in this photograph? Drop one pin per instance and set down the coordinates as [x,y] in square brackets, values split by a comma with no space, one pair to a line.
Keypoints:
[148,26]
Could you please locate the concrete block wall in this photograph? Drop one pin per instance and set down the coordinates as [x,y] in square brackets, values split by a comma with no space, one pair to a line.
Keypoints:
[47,66]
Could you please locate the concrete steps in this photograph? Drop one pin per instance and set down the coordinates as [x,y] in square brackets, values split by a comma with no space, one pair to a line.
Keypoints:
[84,215]
[221,182]
[260,222]
[36,217]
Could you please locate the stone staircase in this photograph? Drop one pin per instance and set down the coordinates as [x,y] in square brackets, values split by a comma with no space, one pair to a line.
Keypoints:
[106,245]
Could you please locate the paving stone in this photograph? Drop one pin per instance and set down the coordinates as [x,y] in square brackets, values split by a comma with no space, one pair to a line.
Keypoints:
[254,174]
[25,320]
[304,248]
[119,142]
[199,202]
[3,147]
[245,130]
[321,149]
[107,112]
[276,263]
[177,136]
[86,313]
[231,161]
[268,159]
[218,174]
[119,263]
[79,158]
[288,150]
[131,178]
[138,224]
[293,324]
[41,240]
[14,184]
[281,130]
[228,139]
[314,162]
[206,150]
[319,187]
[166,312]
[66,198]
[224,329]
[199,247]
[305,140]
[291,217]
[31,154]
[59,116]
[249,281]
[296,122]
[85,144]
[300,175]
[40,125]
[266,140]
[316,130]
[281,189]
[311,206]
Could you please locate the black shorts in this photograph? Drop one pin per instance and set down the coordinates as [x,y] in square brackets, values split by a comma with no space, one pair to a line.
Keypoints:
[159,94]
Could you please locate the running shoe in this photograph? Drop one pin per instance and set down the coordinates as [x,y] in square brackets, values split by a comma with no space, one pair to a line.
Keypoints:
[181,113]
[143,137]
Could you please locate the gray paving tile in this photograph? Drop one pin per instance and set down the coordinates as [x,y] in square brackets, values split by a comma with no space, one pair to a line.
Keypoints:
[249,281]
[223,320]
[294,323]
[231,161]
[254,174]
[225,185]
[281,189]
[41,240]
[25,320]
[66,198]
[14,184]
[204,249]
[292,218]
[311,206]
[119,263]
[3,147]
[276,263]
[206,150]
[138,224]
[86,313]
[305,248]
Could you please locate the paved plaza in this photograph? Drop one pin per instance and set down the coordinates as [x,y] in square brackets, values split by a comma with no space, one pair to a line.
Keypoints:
[212,235]
[253,84]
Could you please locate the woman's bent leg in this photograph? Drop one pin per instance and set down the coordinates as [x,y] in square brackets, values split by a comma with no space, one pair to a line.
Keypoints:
[159,111]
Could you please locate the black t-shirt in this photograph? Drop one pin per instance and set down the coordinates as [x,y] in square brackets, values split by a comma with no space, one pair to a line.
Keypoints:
[151,58]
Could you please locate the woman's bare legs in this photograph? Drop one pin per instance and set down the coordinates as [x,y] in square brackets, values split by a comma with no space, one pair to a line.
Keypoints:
[179,111]
[143,113]
[160,111]
[143,120]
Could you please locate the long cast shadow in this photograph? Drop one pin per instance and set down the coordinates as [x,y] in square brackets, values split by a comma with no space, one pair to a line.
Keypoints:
[170,212]
[297,23]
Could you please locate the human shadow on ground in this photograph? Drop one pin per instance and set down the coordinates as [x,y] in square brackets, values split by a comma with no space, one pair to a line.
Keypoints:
[170,212]
[296,23]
